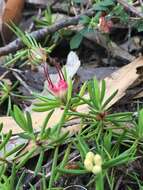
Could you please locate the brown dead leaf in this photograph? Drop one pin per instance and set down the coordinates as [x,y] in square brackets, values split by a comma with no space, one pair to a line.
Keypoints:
[10,11]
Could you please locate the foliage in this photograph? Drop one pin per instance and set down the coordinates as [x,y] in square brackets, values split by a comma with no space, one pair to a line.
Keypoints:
[7,92]
[99,135]
[33,54]
[116,137]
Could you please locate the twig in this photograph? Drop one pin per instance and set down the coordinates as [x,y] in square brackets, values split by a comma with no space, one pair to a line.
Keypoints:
[61,10]
[111,46]
[17,44]
[119,182]
[130,8]
[3,75]
[22,82]
[54,2]
[73,8]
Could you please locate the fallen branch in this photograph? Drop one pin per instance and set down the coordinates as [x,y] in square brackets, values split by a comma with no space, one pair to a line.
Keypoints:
[112,47]
[97,36]
[131,8]
[17,44]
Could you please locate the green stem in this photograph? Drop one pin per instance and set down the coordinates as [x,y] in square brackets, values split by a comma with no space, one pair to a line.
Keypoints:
[54,164]
[99,182]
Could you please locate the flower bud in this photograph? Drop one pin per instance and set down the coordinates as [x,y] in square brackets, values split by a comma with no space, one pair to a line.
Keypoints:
[37,55]
[96,169]
[90,156]
[60,88]
[105,25]
[97,160]
[88,164]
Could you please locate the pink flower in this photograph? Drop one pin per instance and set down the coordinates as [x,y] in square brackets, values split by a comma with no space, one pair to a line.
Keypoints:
[105,25]
[58,89]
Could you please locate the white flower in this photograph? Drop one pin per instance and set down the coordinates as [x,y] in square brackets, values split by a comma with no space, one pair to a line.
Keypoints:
[97,160]
[96,169]
[93,163]
[90,156]
[88,164]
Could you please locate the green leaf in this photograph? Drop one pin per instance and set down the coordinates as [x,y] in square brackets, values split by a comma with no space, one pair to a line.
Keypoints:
[26,136]
[82,146]
[25,158]
[2,170]
[44,108]
[94,92]
[123,158]
[60,139]
[83,89]
[122,114]
[109,99]
[13,176]
[39,163]
[29,123]
[1,126]
[14,150]
[45,124]
[76,41]
[103,5]
[107,140]
[140,124]
[139,25]
[91,95]
[6,139]
[103,89]
[97,92]
[19,118]
[53,170]
[70,86]
[65,160]
[99,181]
[69,171]
[19,184]
[84,20]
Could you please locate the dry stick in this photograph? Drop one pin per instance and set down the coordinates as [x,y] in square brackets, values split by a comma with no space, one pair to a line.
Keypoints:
[22,82]
[61,10]
[3,75]
[130,8]
[112,47]
[54,2]
[17,44]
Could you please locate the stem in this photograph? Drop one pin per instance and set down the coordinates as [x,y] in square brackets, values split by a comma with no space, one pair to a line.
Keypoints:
[47,75]
[99,182]
[54,165]
[61,75]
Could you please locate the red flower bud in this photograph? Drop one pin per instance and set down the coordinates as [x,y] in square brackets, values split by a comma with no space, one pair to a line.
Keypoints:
[60,88]
[105,25]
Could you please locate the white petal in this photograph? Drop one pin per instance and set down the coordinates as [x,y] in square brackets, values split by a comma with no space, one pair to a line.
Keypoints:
[72,64]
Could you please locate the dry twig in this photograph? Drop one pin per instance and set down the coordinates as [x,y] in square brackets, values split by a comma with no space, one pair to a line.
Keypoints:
[130,8]
[17,44]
